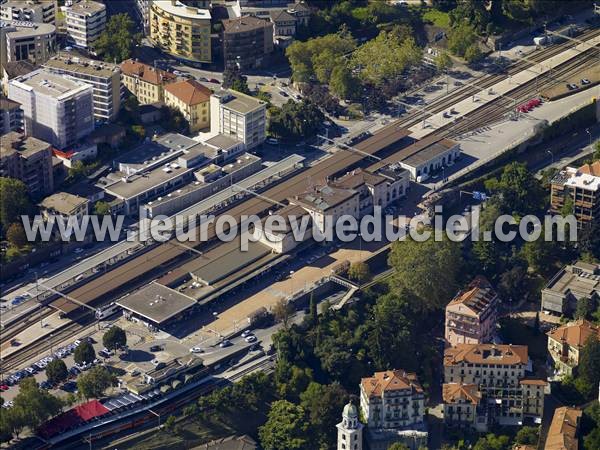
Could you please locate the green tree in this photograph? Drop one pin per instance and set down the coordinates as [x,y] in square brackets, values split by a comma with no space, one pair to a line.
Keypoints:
[472,53]
[585,307]
[114,338]
[322,404]
[233,79]
[596,155]
[314,315]
[592,440]
[170,424]
[428,269]
[295,120]
[285,428]
[117,41]
[173,120]
[539,254]
[460,38]
[15,201]
[398,446]
[519,192]
[359,272]
[16,235]
[528,436]
[282,310]
[56,371]
[33,405]
[385,57]
[589,361]
[443,61]
[93,383]
[342,83]
[101,208]
[84,353]
[567,208]
[492,442]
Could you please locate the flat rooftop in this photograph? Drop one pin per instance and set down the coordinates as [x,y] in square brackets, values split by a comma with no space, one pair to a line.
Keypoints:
[238,102]
[26,29]
[239,163]
[222,141]
[226,259]
[181,10]
[46,83]
[156,302]
[86,7]
[427,151]
[81,65]
[63,202]
[17,142]
[139,183]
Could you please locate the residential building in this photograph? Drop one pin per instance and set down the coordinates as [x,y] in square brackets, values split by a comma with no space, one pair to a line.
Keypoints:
[143,10]
[247,42]
[145,82]
[429,156]
[56,109]
[80,151]
[11,116]
[239,116]
[565,344]
[350,430]
[284,27]
[472,314]
[86,20]
[38,11]
[15,69]
[105,79]
[63,205]
[582,187]
[564,429]
[393,399]
[506,396]
[571,283]
[26,41]
[192,99]
[27,159]
[182,31]
[301,11]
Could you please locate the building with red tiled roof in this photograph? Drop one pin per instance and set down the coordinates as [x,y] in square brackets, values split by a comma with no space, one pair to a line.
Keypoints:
[192,99]
[566,342]
[562,434]
[460,403]
[393,399]
[144,81]
[472,314]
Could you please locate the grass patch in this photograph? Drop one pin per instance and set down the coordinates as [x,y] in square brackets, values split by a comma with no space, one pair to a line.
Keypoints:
[437,18]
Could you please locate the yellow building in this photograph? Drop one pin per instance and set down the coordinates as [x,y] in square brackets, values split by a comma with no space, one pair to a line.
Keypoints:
[180,30]
[193,100]
[144,81]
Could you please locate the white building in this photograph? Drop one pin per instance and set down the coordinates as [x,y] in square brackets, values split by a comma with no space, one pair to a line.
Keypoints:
[105,79]
[28,10]
[56,109]
[239,116]
[26,41]
[143,9]
[429,156]
[350,430]
[86,20]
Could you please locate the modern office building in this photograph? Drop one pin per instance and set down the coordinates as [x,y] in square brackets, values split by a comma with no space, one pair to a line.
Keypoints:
[247,42]
[145,82]
[11,116]
[38,11]
[26,41]
[581,189]
[571,283]
[27,159]
[105,79]
[192,99]
[239,116]
[471,316]
[86,20]
[56,109]
[181,30]
[492,380]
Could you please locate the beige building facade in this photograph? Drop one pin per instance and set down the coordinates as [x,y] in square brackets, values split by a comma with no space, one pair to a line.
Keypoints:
[145,82]
[192,99]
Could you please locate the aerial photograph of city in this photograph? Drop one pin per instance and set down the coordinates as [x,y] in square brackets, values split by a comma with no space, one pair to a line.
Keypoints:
[300,224]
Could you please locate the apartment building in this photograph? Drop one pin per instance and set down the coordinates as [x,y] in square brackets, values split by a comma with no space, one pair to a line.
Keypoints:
[393,399]
[505,396]
[27,159]
[239,116]
[38,11]
[471,316]
[26,41]
[15,69]
[105,79]
[192,99]
[571,283]
[86,20]
[11,116]
[564,429]
[145,82]
[284,27]
[582,187]
[565,344]
[143,10]
[64,205]
[56,109]
[182,31]
[247,42]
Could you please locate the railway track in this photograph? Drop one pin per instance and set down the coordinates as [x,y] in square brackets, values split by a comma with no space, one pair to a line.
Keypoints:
[104,285]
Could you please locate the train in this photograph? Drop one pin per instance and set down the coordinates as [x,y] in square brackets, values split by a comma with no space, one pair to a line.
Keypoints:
[107,311]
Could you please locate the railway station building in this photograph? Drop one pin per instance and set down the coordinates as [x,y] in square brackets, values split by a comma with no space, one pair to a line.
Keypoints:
[156,306]
[428,156]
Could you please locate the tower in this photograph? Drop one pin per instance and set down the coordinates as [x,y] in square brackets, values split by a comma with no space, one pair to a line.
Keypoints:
[350,430]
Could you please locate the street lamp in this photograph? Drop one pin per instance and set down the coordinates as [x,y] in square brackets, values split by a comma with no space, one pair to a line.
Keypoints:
[291,283]
[587,130]
[551,154]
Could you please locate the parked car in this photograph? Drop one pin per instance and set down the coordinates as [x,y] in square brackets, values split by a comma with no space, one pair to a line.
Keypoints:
[246,333]
[156,348]
[204,79]
[214,80]
[272,141]
[46,385]
[225,343]
[78,250]
[585,81]
[74,371]
[196,350]
[571,86]
[283,94]
[250,339]
[4,387]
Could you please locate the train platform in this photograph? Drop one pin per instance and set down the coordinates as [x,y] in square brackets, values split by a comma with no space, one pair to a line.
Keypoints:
[502,88]
[35,332]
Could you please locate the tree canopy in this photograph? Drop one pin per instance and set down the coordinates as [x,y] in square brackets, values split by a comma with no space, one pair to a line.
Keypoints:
[84,353]
[295,120]
[117,41]
[285,428]
[93,383]
[56,371]
[15,201]
[114,338]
